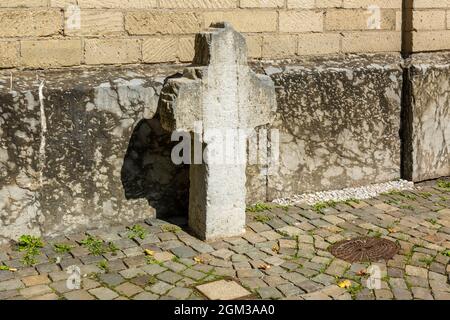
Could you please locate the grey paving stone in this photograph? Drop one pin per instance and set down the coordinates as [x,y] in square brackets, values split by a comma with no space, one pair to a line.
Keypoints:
[174,266]
[421,293]
[269,293]
[417,282]
[11,285]
[310,286]
[184,252]
[249,273]
[225,272]
[78,295]
[134,262]
[128,289]
[143,281]
[91,259]
[324,279]
[383,294]
[103,293]
[67,262]
[273,280]
[220,263]
[180,293]
[224,254]
[193,274]
[146,296]
[124,243]
[294,277]
[60,286]
[253,283]
[402,294]
[58,275]
[116,265]
[47,268]
[241,265]
[132,273]
[169,276]
[160,287]
[6,275]
[35,291]
[111,279]
[203,268]
[4,295]
[153,269]
[169,245]
[289,290]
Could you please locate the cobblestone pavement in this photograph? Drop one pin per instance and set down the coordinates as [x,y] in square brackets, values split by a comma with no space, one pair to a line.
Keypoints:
[283,255]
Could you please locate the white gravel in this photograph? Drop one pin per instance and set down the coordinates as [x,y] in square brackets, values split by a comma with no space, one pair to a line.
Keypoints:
[360,193]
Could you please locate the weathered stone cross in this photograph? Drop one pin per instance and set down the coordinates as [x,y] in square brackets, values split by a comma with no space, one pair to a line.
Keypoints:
[223,96]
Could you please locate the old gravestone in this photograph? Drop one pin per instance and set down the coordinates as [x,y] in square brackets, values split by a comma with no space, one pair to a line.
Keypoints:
[217,102]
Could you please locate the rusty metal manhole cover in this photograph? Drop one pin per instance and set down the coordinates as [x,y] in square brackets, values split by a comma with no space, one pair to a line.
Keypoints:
[364,249]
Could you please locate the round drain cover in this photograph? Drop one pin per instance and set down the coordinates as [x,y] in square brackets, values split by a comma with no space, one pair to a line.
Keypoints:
[364,249]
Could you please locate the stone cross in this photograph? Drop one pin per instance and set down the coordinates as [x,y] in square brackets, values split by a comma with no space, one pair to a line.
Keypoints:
[223,97]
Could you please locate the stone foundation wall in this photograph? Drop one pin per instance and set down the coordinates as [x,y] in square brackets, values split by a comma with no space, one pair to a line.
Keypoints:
[339,124]
[90,151]
[427,113]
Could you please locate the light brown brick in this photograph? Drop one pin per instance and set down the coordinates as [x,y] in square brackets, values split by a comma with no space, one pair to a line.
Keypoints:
[201,4]
[301,4]
[118,4]
[245,20]
[328,3]
[163,22]
[340,20]
[50,53]
[318,43]
[279,46]
[301,21]
[96,22]
[160,49]
[9,54]
[112,51]
[431,40]
[28,23]
[22,3]
[186,49]
[391,4]
[62,3]
[254,46]
[430,4]
[429,20]
[371,41]
[261,4]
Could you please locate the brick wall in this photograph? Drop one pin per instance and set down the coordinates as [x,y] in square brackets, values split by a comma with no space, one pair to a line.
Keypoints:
[43,33]
[428,25]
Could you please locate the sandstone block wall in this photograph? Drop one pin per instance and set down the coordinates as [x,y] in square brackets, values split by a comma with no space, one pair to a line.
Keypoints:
[45,33]
[427,24]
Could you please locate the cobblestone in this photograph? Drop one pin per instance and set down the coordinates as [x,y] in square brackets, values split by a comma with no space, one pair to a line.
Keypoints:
[284,258]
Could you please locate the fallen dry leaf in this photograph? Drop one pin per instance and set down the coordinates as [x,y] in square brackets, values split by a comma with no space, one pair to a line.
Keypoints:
[264,267]
[149,252]
[361,272]
[198,259]
[345,284]
[392,230]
